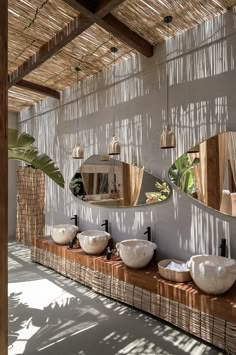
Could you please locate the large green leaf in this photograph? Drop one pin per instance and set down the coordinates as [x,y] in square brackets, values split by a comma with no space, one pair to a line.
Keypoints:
[19,140]
[20,148]
[181,173]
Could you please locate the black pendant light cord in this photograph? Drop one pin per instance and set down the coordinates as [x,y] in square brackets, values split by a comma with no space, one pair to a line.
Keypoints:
[113,51]
[168,20]
[77,69]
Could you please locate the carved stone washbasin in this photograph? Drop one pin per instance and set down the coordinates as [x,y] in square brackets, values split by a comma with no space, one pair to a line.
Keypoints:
[212,274]
[93,241]
[136,253]
[63,233]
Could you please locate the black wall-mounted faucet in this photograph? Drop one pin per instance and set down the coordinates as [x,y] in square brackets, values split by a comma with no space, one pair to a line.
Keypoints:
[75,217]
[148,232]
[223,247]
[105,223]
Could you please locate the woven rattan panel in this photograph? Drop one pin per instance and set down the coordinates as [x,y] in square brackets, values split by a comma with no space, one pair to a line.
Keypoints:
[30,185]
[212,319]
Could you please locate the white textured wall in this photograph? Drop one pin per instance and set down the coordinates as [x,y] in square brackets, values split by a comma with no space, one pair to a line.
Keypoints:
[202,103]
[12,123]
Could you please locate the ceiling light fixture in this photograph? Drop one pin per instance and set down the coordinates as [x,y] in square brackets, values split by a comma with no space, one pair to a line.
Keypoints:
[78,151]
[168,139]
[114,145]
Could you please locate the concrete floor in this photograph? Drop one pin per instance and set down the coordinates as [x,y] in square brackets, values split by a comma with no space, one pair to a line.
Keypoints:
[50,314]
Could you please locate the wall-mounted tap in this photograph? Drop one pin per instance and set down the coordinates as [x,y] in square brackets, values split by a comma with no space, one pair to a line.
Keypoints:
[223,247]
[105,223]
[75,217]
[148,232]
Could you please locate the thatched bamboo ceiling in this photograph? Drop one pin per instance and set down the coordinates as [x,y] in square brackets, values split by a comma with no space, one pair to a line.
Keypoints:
[86,35]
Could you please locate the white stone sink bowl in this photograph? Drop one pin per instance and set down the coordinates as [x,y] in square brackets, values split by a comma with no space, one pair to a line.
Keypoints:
[212,274]
[136,253]
[63,233]
[93,241]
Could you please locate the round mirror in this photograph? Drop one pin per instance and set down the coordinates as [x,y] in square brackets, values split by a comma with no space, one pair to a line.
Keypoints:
[104,181]
[207,172]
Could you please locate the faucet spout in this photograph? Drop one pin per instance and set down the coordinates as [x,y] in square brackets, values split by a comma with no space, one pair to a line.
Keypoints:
[75,217]
[148,232]
[223,247]
[105,223]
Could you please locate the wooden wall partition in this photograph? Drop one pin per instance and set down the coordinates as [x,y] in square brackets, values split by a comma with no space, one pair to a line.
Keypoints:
[3,176]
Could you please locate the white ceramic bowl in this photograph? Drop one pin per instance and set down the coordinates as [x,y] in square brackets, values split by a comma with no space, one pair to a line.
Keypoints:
[93,241]
[136,253]
[212,274]
[63,233]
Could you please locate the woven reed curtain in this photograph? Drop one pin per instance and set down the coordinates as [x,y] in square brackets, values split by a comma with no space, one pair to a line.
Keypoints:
[232,152]
[30,221]
[133,178]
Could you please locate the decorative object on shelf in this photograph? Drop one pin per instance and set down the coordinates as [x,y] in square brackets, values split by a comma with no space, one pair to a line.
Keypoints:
[114,145]
[136,253]
[174,270]
[212,274]
[93,241]
[168,139]
[78,151]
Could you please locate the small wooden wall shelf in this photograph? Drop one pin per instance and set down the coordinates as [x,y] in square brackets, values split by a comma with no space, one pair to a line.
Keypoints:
[211,318]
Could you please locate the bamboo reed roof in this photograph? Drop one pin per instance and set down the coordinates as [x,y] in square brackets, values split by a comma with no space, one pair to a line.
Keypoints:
[32,23]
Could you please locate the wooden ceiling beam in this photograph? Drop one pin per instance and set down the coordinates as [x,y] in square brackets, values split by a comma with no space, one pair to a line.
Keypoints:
[41,89]
[95,12]
[61,39]
[104,7]
[101,15]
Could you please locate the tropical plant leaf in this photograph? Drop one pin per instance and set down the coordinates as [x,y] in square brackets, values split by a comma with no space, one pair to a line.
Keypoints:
[19,140]
[42,162]
[20,148]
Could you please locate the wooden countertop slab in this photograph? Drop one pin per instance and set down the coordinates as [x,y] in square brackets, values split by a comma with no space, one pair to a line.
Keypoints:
[223,307]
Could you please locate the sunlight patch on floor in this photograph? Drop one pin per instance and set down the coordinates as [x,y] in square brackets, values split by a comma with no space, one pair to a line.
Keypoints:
[39,294]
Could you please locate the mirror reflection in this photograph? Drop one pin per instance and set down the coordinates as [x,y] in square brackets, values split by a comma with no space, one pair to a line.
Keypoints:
[207,172]
[104,181]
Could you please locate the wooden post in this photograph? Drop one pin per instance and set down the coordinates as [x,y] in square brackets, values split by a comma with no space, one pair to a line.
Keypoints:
[3,177]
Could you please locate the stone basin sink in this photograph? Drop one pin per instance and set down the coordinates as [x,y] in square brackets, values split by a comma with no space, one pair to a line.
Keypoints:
[136,253]
[93,241]
[212,274]
[63,233]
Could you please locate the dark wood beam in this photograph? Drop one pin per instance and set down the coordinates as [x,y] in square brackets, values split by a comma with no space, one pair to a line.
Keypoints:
[61,38]
[104,7]
[122,32]
[44,90]
[103,18]
[3,178]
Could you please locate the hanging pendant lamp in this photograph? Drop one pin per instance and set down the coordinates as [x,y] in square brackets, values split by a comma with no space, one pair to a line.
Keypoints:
[114,145]
[168,139]
[78,151]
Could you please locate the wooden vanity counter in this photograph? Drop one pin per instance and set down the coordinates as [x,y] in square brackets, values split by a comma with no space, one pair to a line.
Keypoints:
[212,318]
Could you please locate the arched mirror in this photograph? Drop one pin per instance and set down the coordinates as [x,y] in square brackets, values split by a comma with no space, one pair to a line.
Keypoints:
[207,172]
[104,181]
